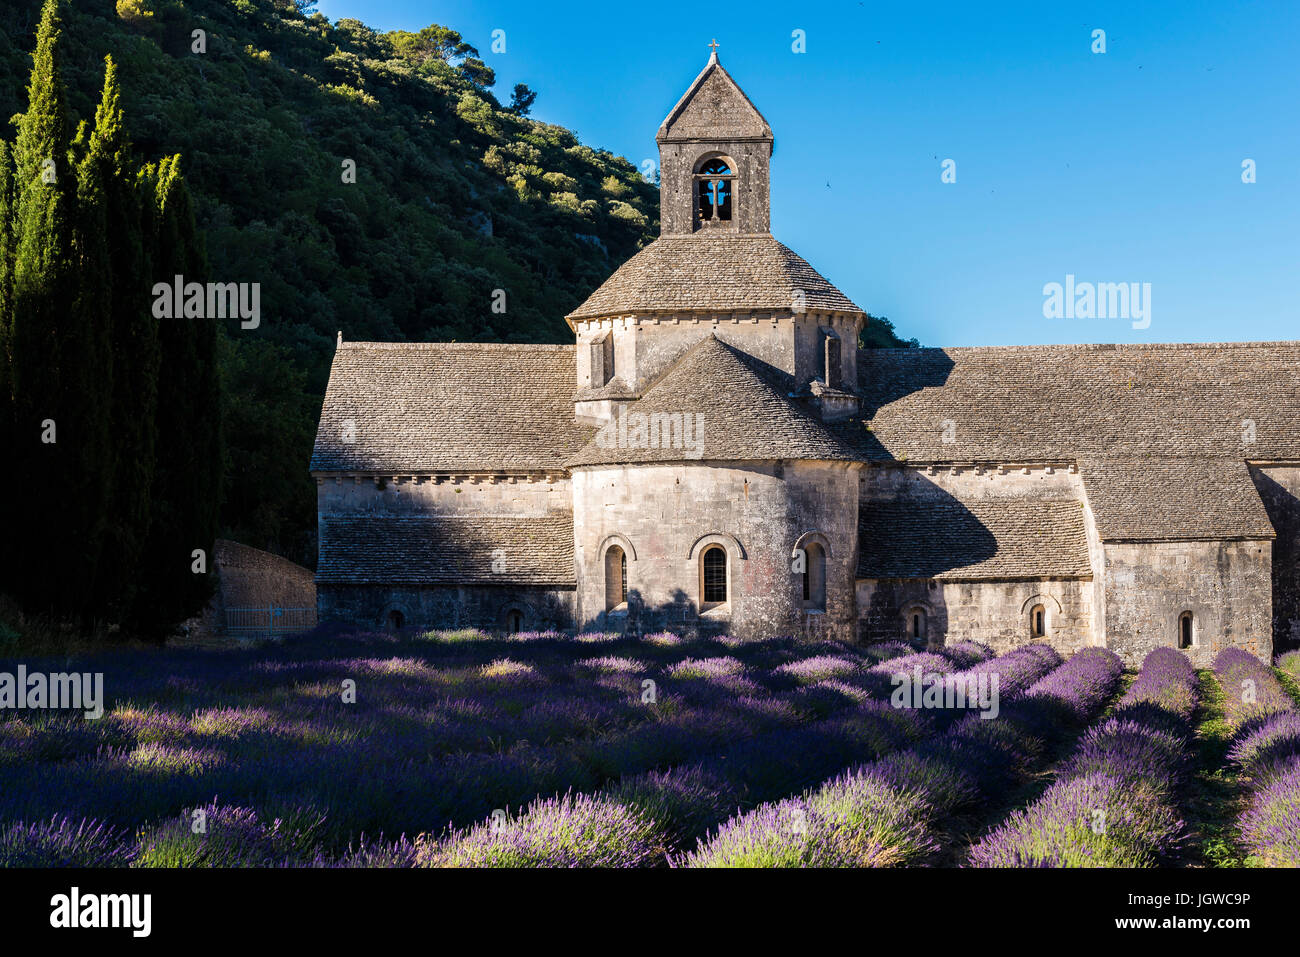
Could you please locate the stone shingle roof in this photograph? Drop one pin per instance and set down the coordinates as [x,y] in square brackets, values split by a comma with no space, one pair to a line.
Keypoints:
[972,541]
[713,273]
[741,411]
[1053,403]
[430,407]
[714,107]
[1174,499]
[390,549]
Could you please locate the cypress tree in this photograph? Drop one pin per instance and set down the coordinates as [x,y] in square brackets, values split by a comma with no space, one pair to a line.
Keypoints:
[133,336]
[8,556]
[6,268]
[43,330]
[187,479]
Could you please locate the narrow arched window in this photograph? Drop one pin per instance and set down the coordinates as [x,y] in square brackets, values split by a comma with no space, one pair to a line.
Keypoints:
[514,621]
[1038,622]
[1186,635]
[914,625]
[814,578]
[615,577]
[714,184]
[713,575]
[396,620]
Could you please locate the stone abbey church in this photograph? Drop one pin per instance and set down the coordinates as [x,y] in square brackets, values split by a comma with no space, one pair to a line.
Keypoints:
[714,453]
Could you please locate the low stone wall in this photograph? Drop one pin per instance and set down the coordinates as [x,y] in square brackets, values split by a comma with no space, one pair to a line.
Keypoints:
[995,613]
[385,607]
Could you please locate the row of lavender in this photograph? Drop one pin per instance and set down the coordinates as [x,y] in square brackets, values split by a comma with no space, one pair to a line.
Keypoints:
[644,818]
[423,746]
[1112,803]
[1266,747]
[887,812]
[637,821]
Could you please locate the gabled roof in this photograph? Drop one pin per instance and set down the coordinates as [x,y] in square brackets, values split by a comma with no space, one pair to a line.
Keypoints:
[364,549]
[447,407]
[713,273]
[714,107]
[1060,403]
[740,410]
[976,540]
[1174,499]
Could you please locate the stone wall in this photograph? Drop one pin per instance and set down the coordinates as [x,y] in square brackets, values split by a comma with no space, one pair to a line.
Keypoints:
[446,607]
[1227,586]
[531,498]
[664,516]
[1279,488]
[1037,484]
[996,613]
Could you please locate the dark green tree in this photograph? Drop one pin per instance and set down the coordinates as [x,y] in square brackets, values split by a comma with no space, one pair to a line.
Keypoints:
[522,100]
[8,556]
[54,430]
[187,477]
[132,332]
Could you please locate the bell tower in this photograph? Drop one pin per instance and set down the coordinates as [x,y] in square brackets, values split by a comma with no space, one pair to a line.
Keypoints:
[715,152]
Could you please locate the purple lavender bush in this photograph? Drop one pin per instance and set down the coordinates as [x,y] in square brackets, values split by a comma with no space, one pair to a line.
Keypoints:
[229,837]
[1251,692]
[819,668]
[1090,821]
[62,842]
[569,831]
[1267,743]
[684,801]
[860,819]
[1082,685]
[966,653]
[884,650]
[1270,825]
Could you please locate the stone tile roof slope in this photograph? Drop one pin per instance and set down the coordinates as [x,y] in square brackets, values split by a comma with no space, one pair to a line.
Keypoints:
[1044,403]
[714,107]
[1174,499]
[712,273]
[742,411]
[972,541]
[431,407]
[428,550]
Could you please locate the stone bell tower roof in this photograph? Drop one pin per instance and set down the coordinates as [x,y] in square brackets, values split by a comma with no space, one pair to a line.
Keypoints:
[714,107]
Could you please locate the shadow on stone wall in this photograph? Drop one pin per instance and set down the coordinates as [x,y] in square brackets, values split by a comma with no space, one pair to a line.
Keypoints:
[677,615]
[1284,512]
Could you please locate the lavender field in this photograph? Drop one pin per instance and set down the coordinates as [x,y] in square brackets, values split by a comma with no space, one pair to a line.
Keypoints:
[453,749]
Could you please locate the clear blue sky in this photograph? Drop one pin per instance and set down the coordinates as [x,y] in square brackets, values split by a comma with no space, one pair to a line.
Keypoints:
[1117,167]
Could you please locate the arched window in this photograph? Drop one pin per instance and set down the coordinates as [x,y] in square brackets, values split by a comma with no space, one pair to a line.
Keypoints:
[915,626]
[1038,622]
[814,577]
[714,183]
[1186,633]
[713,576]
[514,621]
[615,577]
[396,620]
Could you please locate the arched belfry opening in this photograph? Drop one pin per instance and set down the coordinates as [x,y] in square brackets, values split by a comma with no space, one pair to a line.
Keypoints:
[715,189]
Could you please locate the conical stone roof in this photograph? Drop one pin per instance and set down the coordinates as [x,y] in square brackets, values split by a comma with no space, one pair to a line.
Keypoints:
[716,403]
[723,273]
